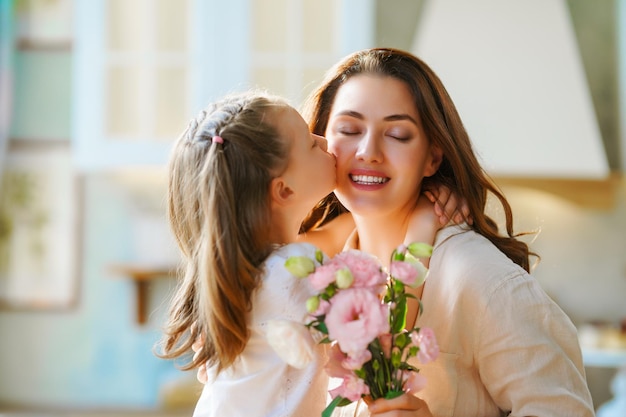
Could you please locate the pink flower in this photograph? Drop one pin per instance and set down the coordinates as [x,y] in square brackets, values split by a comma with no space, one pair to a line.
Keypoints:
[356,316]
[413,381]
[352,388]
[366,269]
[356,361]
[334,367]
[324,275]
[411,271]
[425,340]
[403,271]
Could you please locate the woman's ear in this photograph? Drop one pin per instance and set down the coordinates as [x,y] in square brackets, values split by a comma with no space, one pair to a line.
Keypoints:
[280,192]
[436,156]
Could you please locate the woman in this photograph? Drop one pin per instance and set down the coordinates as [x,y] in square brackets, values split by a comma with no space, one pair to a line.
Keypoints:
[507,348]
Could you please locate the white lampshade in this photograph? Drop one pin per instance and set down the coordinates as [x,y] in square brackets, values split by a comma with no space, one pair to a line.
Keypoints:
[515,73]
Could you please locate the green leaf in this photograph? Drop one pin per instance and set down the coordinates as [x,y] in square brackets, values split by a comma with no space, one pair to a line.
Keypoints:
[393,394]
[319,256]
[399,320]
[397,256]
[338,401]
[322,327]
[398,286]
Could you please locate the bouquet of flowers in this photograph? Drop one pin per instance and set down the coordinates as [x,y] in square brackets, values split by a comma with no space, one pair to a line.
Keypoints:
[361,309]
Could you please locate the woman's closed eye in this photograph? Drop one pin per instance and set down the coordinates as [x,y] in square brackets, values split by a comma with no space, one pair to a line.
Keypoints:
[402,136]
[348,131]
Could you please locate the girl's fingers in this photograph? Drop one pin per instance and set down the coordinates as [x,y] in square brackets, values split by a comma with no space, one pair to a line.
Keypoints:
[431,197]
[201,375]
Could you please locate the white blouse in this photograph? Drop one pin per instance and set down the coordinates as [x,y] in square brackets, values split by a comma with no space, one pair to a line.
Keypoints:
[260,383]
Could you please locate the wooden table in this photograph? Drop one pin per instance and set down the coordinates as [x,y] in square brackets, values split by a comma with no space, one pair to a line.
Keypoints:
[142,275]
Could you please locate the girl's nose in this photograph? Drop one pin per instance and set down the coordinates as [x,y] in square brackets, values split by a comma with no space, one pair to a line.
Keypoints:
[369,149]
[321,141]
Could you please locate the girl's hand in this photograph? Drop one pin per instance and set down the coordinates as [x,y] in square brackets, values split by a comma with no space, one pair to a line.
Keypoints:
[406,405]
[449,206]
[201,374]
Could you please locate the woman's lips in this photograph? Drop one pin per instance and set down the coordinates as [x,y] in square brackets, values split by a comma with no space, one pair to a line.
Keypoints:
[368,179]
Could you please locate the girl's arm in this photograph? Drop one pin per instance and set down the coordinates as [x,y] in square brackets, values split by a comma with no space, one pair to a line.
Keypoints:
[331,237]
[424,224]
[435,208]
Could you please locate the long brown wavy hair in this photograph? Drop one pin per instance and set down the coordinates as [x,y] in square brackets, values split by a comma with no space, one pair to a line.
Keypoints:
[219,212]
[459,170]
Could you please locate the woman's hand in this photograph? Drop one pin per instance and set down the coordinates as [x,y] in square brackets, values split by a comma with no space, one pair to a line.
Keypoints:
[449,206]
[406,405]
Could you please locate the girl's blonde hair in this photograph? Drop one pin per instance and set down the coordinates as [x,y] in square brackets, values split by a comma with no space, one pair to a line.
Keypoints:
[219,212]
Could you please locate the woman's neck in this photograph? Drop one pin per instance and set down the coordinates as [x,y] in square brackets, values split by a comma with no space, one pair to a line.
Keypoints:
[380,236]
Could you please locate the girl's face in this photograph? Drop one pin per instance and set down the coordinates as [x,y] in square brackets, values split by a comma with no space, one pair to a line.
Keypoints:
[382,153]
[310,172]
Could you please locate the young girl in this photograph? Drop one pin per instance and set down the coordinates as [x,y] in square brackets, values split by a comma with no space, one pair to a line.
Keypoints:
[242,177]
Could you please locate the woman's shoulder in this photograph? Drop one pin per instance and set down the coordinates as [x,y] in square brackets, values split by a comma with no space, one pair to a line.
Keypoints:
[469,260]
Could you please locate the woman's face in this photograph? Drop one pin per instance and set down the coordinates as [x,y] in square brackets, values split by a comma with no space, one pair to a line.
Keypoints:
[375,132]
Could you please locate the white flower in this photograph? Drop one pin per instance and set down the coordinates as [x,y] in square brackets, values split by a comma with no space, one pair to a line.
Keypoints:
[292,341]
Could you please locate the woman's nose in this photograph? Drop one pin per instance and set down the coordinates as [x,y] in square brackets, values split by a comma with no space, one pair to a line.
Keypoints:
[369,149]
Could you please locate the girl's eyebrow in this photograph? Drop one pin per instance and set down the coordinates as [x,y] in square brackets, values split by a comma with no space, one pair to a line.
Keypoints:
[389,118]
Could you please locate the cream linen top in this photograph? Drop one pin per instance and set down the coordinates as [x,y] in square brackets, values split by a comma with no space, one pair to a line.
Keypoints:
[260,383]
[506,348]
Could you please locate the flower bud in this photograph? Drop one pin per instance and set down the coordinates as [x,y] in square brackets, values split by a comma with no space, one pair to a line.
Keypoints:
[300,266]
[420,249]
[344,278]
[312,304]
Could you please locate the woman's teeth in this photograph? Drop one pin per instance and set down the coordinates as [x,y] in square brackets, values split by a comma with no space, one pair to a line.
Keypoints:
[368,179]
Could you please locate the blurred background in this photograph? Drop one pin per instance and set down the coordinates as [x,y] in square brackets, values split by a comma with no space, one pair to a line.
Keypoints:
[94,92]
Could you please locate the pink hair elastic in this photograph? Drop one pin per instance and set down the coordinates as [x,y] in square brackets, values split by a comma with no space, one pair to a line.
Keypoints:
[217,139]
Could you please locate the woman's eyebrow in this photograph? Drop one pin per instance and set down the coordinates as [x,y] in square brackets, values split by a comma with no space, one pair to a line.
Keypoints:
[390,118]
[350,113]
[395,117]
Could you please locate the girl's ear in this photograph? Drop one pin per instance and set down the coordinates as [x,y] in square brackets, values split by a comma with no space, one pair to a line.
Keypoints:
[280,192]
[436,156]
